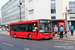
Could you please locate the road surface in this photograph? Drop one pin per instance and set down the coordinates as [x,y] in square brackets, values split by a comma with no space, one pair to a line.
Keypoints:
[9,43]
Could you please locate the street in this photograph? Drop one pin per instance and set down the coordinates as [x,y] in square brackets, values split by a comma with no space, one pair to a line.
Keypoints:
[10,43]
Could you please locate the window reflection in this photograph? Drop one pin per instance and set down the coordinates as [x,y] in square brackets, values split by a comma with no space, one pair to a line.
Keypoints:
[53,8]
[44,26]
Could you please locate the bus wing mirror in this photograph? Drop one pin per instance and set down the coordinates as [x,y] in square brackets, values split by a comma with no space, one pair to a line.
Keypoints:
[36,29]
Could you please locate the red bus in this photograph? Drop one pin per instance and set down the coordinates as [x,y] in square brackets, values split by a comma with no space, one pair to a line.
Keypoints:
[33,29]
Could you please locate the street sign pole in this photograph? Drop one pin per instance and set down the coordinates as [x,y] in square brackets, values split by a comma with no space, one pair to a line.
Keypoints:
[66,23]
[20,8]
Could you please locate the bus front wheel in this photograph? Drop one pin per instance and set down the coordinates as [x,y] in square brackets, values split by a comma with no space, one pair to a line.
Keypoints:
[14,35]
[29,36]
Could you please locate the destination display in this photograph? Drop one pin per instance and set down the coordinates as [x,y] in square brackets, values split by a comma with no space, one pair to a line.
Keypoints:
[44,21]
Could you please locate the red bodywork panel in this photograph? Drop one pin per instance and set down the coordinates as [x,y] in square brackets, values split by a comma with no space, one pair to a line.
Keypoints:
[34,35]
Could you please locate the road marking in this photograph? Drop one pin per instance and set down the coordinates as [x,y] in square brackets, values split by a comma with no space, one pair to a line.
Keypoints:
[62,43]
[7,44]
[26,49]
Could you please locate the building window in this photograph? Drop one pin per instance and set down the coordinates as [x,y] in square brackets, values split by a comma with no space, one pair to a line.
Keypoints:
[72,11]
[31,11]
[30,0]
[53,17]
[72,17]
[52,0]
[22,1]
[53,8]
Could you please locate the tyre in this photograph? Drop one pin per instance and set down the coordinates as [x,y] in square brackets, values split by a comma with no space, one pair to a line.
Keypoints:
[29,36]
[14,35]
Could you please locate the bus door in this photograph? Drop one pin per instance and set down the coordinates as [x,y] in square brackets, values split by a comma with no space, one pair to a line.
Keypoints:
[34,29]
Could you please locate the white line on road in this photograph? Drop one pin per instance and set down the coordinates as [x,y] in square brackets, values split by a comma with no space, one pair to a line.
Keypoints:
[26,49]
[7,44]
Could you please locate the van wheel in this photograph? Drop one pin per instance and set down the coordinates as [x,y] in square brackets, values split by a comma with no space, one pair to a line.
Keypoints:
[14,35]
[29,36]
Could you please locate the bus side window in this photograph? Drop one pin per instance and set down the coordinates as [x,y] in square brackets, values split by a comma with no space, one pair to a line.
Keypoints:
[22,28]
[29,27]
[15,27]
[25,27]
[11,27]
[18,27]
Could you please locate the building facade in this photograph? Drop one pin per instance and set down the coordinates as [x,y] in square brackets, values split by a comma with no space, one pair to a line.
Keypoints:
[58,8]
[71,16]
[72,10]
[0,16]
[48,9]
[33,9]
[10,12]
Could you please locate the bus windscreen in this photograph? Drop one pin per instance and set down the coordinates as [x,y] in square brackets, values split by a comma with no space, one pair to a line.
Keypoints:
[45,26]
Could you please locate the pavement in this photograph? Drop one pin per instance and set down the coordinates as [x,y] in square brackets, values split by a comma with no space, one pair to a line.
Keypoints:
[10,43]
[68,38]
[4,32]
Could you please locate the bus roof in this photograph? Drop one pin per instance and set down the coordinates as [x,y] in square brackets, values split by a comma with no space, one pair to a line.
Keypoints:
[30,21]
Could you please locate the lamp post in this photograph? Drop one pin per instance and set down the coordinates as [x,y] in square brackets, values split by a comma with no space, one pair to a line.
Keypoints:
[20,8]
[66,23]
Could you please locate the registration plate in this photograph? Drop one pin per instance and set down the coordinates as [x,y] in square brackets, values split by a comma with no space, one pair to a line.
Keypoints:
[46,37]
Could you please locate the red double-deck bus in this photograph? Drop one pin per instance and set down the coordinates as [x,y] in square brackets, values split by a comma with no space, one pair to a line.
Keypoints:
[33,29]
